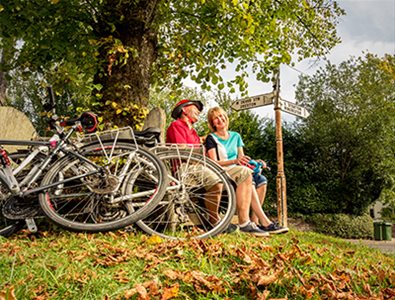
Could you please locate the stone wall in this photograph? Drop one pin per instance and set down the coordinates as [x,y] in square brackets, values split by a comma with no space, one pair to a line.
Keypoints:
[15,125]
[156,118]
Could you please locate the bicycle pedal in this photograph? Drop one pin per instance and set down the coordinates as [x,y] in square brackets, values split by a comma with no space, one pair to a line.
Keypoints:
[31,225]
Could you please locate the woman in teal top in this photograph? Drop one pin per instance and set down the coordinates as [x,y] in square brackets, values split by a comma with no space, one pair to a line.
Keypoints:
[226,147]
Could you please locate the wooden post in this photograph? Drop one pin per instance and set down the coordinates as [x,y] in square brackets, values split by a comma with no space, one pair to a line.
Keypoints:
[280,178]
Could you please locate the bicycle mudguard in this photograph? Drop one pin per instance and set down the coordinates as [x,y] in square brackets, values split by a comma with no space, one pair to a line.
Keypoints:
[24,143]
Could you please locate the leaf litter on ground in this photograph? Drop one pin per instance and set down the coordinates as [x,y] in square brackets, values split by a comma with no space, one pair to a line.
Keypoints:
[121,265]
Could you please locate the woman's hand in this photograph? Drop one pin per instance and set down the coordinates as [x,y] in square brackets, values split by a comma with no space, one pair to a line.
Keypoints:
[242,160]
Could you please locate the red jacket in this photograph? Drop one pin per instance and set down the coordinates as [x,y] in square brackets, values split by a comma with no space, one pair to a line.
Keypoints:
[179,133]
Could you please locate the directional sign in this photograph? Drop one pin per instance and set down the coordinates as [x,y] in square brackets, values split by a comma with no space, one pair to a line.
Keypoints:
[293,109]
[252,102]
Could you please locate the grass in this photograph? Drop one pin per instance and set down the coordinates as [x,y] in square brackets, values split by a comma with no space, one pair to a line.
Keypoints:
[121,265]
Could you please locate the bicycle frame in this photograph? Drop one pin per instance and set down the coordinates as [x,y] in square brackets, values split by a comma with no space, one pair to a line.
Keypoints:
[23,189]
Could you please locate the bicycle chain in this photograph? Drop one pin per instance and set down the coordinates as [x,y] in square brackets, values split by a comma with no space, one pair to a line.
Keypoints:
[16,208]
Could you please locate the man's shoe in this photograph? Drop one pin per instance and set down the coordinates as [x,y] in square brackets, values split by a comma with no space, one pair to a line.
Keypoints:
[251,228]
[274,228]
[231,228]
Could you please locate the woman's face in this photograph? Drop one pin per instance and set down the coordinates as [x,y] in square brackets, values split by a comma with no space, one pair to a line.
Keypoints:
[220,121]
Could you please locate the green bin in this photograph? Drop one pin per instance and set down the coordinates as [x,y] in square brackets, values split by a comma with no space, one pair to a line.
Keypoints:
[386,231]
[378,232]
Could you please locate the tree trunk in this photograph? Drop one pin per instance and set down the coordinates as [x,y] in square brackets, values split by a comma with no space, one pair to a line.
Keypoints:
[3,86]
[127,55]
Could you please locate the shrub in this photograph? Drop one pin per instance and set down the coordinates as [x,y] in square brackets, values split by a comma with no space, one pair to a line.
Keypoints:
[342,225]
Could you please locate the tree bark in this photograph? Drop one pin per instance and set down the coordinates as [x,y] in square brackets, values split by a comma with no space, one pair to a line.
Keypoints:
[125,80]
[3,85]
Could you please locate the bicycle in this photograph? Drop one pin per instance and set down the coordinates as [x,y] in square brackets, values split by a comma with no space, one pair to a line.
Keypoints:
[84,188]
[184,212]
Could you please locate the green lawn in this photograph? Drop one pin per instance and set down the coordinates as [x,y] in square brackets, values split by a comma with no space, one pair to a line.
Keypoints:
[121,265]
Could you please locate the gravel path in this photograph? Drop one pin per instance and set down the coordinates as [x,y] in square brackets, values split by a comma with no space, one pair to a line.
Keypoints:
[384,246]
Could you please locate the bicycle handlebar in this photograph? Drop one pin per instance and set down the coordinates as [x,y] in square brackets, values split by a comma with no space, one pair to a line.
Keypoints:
[87,120]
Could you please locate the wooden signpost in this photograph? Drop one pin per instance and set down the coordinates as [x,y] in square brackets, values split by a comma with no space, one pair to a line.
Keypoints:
[279,105]
[252,102]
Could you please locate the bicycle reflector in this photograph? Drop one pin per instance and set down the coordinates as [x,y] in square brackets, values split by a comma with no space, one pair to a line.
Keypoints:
[89,121]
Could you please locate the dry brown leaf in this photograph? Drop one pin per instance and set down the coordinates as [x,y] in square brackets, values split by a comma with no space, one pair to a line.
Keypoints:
[152,286]
[282,256]
[247,259]
[367,289]
[322,251]
[121,276]
[8,294]
[130,293]
[142,291]
[307,292]
[267,279]
[390,293]
[138,289]
[171,292]
[40,290]
[264,295]
[171,274]
[199,276]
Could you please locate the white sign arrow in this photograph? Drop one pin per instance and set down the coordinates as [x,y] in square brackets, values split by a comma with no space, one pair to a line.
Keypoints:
[293,108]
[252,102]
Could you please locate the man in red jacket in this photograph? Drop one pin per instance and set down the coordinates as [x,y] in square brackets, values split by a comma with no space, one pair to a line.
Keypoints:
[181,131]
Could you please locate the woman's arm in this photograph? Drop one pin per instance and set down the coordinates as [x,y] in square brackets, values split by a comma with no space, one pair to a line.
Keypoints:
[241,158]
[213,155]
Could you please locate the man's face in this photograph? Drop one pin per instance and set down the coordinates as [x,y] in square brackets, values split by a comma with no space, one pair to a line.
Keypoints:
[192,112]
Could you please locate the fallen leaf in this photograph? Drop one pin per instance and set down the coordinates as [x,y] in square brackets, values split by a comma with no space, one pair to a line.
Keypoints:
[171,274]
[8,294]
[267,279]
[121,276]
[171,292]
[152,286]
[264,295]
[154,239]
[138,289]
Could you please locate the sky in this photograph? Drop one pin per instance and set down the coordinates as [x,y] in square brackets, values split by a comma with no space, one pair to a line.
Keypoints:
[368,26]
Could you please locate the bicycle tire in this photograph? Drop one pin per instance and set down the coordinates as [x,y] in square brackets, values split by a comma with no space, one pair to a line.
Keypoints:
[182,213]
[9,227]
[86,204]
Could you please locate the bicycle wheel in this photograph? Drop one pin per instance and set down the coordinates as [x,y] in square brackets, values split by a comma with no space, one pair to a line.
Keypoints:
[185,210]
[98,202]
[9,227]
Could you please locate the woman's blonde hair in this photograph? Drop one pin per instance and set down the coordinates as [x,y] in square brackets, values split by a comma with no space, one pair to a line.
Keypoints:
[212,113]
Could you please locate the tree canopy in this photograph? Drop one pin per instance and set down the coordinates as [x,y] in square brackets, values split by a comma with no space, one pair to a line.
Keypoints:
[348,140]
[114,50]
